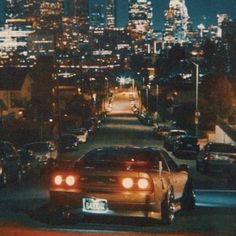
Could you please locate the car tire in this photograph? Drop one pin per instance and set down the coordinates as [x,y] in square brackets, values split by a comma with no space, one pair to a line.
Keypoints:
[167,208]
[188,199]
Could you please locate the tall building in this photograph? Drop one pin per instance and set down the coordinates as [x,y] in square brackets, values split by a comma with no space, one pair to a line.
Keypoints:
[14,9]
[111,13]
[102,13]
[140,16]
[97,13]
[177,22]
[31,8]
[2,12]
[78,9]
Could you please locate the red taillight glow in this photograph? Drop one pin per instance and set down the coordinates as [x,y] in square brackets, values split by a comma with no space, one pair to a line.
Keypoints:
[143,183]
[136,183]
[127,183]
[58,179]
[70,180]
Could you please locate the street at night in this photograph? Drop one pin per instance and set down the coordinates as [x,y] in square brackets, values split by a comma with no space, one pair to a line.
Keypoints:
[25,208]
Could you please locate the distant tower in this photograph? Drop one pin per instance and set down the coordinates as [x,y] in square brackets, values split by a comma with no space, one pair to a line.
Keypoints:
[177,22]
[140,16]
[111,13]
[2,12]
[102,13]
[14,9]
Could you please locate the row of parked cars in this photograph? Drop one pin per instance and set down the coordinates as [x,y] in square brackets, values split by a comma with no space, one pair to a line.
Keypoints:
[213,157]
[19,163]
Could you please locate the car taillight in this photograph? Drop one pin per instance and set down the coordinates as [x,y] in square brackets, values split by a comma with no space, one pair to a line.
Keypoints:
[70,180]
[143,183]
[65,180]
[58,179]
[136,183]
[127,183]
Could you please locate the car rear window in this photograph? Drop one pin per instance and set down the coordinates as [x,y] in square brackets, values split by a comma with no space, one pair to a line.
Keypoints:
[147,158]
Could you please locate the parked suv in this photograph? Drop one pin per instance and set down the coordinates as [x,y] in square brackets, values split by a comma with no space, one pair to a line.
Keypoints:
[10,164]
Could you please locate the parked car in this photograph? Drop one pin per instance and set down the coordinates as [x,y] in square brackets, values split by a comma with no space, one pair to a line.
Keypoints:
[43,151]
[68,142]
[231,173]
[82,134]
[215,157]
[186,146]
[145,118]
[10,163]
[29,163]
[125,181]
[170,138]
[161,131]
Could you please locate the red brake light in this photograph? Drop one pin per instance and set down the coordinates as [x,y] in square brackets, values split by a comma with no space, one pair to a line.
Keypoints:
[58,179]
[143,183]
[70,180]
[127,183]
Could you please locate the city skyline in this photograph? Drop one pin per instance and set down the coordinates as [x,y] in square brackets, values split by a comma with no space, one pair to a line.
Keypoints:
[201,11]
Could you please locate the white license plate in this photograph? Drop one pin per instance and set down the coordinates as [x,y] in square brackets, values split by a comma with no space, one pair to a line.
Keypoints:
[98,205]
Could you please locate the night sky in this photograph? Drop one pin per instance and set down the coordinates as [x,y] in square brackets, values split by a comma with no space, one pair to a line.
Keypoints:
[200,11]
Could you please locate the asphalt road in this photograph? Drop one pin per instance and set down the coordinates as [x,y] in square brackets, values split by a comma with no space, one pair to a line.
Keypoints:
[24,208]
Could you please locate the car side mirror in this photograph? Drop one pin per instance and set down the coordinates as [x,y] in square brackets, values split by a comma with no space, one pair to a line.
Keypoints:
[183,167]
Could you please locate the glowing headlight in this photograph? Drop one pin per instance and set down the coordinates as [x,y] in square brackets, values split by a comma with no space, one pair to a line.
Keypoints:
[58,180]
[143,183]
[127,183]
[70,180]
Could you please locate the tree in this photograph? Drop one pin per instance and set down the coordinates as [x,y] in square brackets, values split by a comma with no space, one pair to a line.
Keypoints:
[216,99]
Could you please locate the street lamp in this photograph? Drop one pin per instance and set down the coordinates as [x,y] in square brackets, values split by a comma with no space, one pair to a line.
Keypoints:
[197,113]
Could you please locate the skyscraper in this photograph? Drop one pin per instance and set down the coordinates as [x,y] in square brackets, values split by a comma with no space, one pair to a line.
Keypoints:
[102,13]
[2,12]
[111,13]
[14,9]
[177,22]
[140,16]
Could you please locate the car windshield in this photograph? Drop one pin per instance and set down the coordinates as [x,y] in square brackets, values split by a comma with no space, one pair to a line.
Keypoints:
[190,140]
[38,147]
[227,148]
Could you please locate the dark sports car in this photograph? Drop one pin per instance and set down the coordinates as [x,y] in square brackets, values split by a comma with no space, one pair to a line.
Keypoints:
[122,181]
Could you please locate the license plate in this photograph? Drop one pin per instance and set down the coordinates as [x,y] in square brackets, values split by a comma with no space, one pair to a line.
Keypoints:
[98,205]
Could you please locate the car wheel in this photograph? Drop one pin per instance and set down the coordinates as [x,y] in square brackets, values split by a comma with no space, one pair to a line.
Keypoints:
[167,209]
[188,199]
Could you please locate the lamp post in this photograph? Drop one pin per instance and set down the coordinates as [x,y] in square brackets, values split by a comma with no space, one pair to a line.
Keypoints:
[197,113]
